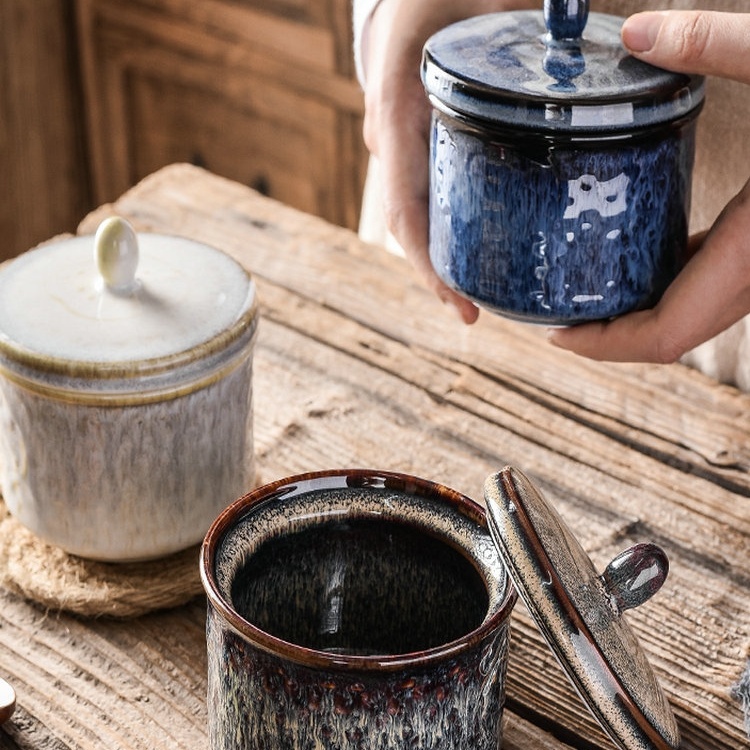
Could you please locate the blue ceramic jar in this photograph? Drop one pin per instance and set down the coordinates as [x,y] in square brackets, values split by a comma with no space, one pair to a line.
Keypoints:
[560,165]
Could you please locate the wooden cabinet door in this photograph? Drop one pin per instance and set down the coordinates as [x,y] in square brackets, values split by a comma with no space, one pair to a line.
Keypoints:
[261,92]
[43,180]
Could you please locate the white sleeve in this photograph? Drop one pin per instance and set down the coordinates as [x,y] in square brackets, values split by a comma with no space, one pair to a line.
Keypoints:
[362,10]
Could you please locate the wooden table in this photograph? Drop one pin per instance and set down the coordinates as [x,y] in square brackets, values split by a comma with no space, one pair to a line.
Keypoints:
[357,365]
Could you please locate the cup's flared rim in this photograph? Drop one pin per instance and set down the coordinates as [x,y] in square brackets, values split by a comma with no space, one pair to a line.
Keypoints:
[314,658]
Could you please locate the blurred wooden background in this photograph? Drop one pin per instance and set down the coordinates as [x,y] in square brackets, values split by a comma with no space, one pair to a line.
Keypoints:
[96,94]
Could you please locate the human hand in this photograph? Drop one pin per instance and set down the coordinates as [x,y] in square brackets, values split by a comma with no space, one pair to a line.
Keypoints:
[397,120]
[713,290]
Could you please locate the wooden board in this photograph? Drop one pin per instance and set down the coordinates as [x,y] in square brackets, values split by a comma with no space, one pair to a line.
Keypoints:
[356,364]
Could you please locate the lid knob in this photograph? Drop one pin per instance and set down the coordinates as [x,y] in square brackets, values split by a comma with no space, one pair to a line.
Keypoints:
[635,575]
[116,255]
[566,19]
[579,611]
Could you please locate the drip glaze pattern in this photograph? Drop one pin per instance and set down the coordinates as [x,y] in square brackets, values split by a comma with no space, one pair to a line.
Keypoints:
[358,609]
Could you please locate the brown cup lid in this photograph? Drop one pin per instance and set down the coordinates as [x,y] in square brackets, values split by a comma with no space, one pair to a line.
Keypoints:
[579,611]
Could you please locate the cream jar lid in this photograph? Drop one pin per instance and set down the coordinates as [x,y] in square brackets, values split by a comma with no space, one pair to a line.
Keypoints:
[119,304]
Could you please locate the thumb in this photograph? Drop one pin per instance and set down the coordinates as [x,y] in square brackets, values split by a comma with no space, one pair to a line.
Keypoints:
[701,42]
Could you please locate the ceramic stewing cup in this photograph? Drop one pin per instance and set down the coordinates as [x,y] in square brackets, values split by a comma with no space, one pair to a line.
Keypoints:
[355,608]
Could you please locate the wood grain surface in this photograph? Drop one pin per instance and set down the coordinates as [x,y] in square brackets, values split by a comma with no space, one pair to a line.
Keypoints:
[358,365]
[44,187]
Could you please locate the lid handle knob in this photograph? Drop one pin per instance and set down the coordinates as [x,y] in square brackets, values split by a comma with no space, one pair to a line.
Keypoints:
[635,575]
[116,255]
[566,19]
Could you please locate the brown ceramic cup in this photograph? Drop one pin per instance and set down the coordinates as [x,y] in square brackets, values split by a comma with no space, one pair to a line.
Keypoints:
[357,609]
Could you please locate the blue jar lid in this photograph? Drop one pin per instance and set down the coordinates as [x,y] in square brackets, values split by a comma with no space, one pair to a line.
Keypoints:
[537,71]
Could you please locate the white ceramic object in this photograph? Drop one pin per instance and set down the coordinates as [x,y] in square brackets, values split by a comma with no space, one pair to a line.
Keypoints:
[125,391]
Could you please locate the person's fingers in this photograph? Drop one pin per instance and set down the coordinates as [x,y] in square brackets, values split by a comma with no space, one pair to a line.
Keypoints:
[710,294]
[700,42]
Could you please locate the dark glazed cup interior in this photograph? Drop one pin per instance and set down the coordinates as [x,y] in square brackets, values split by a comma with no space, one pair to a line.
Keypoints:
[378,599]
[409,592]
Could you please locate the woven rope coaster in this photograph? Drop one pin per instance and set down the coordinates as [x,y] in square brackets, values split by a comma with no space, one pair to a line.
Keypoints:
[57,580]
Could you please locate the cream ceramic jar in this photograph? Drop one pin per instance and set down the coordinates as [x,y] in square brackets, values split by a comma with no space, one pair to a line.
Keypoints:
[125,391]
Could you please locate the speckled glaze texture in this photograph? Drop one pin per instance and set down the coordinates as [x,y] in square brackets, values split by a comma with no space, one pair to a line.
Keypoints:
[580,612]
[126,482]
[560,165]
[554,232]
[125,390]
[355,609]
[256,702]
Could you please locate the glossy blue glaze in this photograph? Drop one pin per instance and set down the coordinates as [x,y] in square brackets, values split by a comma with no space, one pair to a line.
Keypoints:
[560,166]
[553,232]
[566,19]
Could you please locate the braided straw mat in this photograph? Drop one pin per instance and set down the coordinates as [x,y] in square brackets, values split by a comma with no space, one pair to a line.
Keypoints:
[57,580]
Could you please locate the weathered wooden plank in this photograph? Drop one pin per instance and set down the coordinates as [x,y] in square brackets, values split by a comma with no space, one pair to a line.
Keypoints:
[413,434]
[356,364]
[664,407]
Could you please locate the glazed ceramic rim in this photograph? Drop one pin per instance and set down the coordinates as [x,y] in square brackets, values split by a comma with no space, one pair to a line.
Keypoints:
[84,369]
[301,484]
[134,382]
[580,138]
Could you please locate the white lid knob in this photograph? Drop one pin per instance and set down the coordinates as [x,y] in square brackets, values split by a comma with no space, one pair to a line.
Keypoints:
[116,255]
